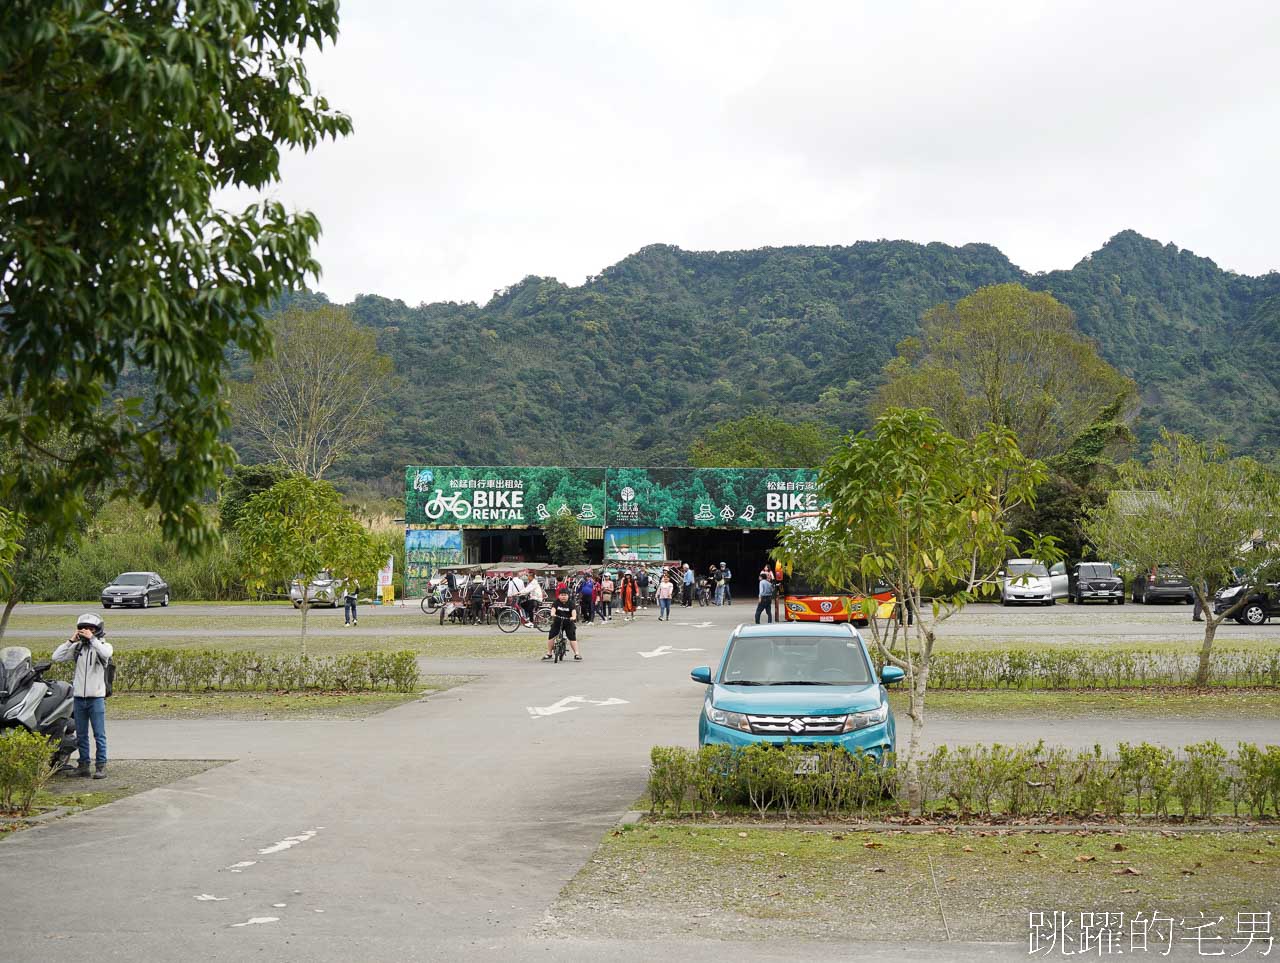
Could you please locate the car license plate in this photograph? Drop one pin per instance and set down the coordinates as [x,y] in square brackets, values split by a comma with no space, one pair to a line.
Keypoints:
[826,618]
[807,765]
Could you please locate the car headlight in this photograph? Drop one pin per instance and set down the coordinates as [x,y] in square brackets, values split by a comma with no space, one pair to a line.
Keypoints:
[861,720]
[732,720]
[1230,592]
[794,607]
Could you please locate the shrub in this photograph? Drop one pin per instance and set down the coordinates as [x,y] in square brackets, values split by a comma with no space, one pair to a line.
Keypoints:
[25,768]
[182,670]
[982,782]
[1092,668]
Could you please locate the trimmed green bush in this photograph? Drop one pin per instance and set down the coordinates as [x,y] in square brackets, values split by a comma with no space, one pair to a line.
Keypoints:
[182,670]
[1079,668]
[980,782]
[25,767]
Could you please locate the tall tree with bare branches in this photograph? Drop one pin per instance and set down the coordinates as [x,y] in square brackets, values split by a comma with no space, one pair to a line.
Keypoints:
[318,397]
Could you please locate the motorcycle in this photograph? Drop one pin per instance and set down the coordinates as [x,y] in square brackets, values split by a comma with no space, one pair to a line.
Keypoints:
[29,702]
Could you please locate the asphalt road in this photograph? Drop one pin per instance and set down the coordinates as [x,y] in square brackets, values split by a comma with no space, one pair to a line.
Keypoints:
[438,830]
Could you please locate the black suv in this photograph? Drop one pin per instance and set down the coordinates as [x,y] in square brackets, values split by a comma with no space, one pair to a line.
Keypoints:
[1162,582]
[1094,582]
[1263,603]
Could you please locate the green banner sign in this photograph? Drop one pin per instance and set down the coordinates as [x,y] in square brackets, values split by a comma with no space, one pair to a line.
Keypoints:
[483,497]
[709,497]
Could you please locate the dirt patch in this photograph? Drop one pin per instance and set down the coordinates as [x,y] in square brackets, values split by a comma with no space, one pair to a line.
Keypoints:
[657,882]
[125,777]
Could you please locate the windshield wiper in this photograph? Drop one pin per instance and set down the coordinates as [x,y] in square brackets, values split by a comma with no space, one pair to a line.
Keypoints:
[746,682]
[806,682]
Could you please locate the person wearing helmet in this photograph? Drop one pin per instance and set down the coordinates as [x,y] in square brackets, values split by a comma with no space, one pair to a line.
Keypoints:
[90,652]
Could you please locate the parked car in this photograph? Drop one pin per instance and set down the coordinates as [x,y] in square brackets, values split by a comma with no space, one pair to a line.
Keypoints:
[1095,582]
[1161,582]
[142,589]
[1262,603]
[1027,580]
[324,589]
[805,683]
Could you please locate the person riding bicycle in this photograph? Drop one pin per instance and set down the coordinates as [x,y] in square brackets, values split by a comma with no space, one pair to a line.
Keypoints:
[563,616]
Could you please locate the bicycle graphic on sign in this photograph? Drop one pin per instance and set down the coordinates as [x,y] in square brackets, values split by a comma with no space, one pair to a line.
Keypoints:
[439,503]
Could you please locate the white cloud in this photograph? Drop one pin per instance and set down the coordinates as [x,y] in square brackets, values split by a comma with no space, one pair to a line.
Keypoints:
[495,140]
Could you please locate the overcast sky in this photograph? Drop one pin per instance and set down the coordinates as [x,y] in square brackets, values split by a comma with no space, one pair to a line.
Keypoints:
[496,140]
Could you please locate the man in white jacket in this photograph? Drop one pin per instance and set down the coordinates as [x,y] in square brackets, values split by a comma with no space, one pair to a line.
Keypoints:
[88,688]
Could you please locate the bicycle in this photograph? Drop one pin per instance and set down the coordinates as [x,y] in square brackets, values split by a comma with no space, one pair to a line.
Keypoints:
[558,647]
[434,599]
[511,617]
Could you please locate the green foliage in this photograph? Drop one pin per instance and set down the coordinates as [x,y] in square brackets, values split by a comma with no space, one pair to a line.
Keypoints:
[119,124]
[763,440]
[1072,668]
[127,537]
[565,543]
[318,398]
[12,533]
[216,670]
[989,782]
[1196,509]
[917,508]
[25,768]
[1007,357]
[300,528]
[244,482]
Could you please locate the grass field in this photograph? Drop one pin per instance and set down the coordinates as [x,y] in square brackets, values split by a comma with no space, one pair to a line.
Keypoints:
[658,881]
[1167,703]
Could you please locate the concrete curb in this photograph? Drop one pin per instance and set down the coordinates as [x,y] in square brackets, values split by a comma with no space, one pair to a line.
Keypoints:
[46,817]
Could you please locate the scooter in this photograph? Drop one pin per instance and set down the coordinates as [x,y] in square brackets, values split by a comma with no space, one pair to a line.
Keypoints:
[29,702]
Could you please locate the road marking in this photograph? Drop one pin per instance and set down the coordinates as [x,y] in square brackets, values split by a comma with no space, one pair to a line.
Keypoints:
[206,897]
[697,625]
[564,705]
[288,842]
[253,920]
[238,867]
[663,650]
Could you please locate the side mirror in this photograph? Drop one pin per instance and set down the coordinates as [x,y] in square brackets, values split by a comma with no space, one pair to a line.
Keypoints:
[891,674]
[701,674]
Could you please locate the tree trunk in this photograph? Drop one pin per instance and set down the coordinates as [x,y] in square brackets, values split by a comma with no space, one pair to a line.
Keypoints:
[8,610]
[306,605]
[1210,627]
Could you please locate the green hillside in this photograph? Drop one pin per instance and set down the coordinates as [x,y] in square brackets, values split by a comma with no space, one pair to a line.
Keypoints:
[628,367]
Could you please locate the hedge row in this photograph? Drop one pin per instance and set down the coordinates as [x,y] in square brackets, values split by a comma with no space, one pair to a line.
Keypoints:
[24,768]
[983,782]
[1097,668]
[181,670]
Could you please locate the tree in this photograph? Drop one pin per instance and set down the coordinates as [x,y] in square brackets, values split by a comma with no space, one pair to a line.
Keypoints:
[1008,357]
[1078,481]
[762,440]
[1195,509]
[565,543]
[916,508]
[244,482]
[117,271]
[300,528]
[316,399]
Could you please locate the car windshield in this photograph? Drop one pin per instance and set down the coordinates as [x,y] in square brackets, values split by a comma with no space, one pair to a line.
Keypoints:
[1096,570]
[795,660]
[1034,569]
[132,578]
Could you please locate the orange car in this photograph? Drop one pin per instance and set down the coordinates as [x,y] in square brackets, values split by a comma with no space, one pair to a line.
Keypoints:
[801,604]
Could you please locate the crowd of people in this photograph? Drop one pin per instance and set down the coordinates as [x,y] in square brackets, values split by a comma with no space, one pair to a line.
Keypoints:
[605,593]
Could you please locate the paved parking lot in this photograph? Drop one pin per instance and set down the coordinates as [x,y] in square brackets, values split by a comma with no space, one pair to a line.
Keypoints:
[444,828]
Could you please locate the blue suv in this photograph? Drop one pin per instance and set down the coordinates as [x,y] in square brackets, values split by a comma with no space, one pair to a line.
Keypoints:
[804,683]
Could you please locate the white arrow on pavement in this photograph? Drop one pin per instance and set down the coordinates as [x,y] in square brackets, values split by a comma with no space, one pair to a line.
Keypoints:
[663,650]
[698,625]
[564,705]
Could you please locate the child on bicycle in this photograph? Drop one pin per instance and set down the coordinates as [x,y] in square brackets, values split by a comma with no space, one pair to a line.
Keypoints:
[563,616]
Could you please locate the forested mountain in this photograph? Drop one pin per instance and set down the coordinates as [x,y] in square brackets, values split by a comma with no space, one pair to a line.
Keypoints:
[628,367]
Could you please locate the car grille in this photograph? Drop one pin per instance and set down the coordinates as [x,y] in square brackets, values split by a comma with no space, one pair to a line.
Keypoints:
[795,725]
[1103,586]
